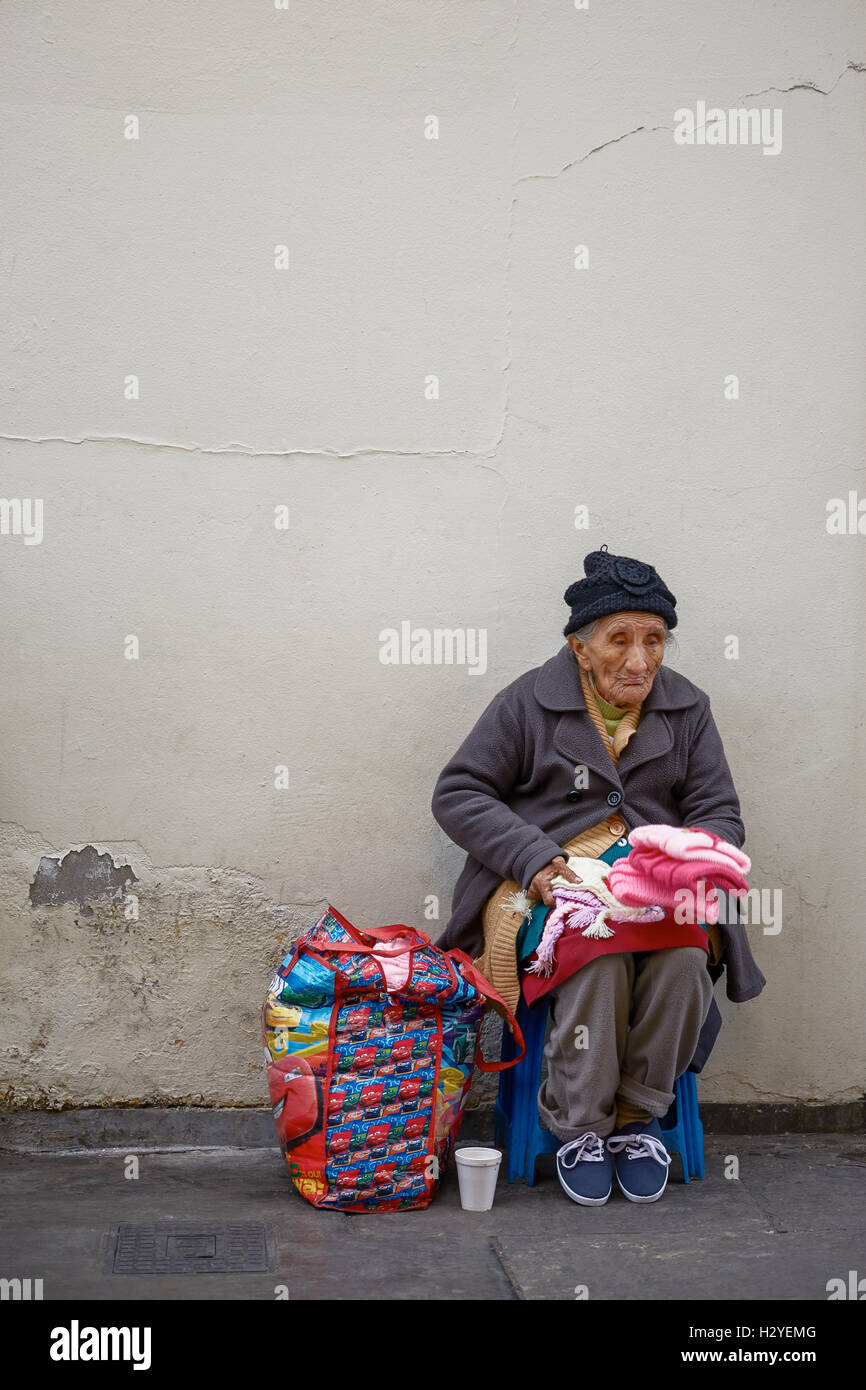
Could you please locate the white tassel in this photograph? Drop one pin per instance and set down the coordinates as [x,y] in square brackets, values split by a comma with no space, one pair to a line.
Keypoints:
[519,902]
[598,929]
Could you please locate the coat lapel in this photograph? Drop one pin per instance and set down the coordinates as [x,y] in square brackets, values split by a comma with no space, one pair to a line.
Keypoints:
[653,738]
[579,742]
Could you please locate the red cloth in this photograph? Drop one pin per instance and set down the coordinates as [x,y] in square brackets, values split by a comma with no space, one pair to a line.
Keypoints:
[574,950]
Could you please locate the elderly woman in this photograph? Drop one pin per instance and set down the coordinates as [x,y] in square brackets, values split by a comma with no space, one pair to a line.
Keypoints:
[565,761]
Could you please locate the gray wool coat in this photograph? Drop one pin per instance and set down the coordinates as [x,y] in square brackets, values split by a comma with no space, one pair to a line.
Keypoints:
[508,795]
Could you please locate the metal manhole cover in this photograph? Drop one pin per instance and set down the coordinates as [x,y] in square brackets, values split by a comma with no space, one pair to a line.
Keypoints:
[181,1247]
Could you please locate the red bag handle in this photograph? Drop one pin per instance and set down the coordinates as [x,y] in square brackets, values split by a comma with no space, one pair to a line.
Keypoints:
[485,988]
[389,933]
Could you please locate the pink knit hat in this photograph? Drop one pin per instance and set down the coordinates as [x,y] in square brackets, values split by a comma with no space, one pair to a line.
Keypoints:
[668,860]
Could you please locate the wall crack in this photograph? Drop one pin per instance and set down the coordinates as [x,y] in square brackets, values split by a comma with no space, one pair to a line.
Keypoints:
[805,86]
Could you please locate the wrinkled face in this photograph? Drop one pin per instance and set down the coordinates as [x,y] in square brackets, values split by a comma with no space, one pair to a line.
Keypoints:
[623,654]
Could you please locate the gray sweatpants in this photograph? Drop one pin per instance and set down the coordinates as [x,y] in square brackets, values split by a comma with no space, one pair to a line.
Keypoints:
[624,1025]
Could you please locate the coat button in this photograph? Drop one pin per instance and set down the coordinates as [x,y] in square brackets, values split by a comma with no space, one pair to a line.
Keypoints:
[616,827]
[574,795]
[614,798]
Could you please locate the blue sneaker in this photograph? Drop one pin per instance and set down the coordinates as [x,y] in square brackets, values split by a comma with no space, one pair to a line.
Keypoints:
[585,1170]
[641,1159]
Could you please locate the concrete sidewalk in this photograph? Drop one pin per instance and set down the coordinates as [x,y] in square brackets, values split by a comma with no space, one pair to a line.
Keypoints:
[795,1219]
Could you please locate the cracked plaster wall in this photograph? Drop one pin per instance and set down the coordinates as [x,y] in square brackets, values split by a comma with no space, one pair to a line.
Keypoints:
[305,388]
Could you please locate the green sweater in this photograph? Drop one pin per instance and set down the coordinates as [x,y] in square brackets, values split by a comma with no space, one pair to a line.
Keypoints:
[609,713]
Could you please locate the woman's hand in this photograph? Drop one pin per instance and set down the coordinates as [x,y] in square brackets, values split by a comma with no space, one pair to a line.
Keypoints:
[540,887]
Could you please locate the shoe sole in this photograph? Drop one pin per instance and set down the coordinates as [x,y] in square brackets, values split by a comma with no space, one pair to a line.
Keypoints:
[584,1201]
[633,1197]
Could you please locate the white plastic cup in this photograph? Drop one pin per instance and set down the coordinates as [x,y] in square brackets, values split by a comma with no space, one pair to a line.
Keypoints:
[477,1171]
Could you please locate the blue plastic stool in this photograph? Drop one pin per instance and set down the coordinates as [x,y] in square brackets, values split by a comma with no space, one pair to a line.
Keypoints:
[517,1125]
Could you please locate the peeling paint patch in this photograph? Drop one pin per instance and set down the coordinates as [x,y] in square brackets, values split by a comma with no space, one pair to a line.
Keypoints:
[79,875]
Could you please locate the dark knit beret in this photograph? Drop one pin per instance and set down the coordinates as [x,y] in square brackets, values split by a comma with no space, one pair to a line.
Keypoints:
[617,584]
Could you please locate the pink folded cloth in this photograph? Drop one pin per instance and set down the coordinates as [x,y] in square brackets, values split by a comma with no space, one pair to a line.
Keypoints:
[396,971]
[688,842]
[668,860]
